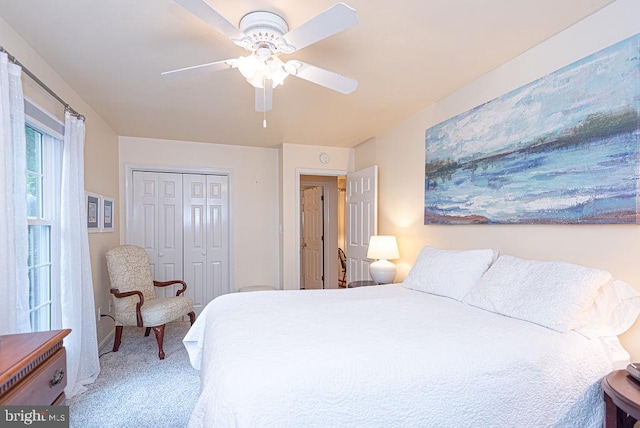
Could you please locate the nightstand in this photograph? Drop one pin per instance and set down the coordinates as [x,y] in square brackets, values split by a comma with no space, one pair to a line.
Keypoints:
[354,284]
[622,399]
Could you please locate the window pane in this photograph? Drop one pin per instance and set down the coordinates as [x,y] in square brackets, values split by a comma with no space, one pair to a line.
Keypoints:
[33,149]
[34,196]
[39,245]
[40,286]
[34,173]
[40,277]
[41,319]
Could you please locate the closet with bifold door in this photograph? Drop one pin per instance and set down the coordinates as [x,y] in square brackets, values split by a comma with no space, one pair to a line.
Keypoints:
[182,220]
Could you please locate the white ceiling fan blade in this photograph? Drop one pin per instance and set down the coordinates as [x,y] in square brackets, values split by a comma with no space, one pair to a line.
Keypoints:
[264,97]
[209,15]
[322,77]
[202,68]
[332,21]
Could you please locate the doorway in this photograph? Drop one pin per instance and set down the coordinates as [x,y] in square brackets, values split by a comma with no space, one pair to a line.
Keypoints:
[322,230]
[359,218]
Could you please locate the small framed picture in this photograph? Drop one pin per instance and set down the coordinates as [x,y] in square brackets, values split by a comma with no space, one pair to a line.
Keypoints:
[107,214]
[94,203]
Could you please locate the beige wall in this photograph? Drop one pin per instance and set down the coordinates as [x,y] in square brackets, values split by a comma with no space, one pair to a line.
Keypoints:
[101,155]
[296,160]
[254,181]
[400,156]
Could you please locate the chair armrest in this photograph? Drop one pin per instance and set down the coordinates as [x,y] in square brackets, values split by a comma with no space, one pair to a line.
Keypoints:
[120,295]
[173,281]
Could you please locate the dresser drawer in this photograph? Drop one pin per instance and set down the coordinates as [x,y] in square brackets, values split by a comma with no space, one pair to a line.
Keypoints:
[44,385]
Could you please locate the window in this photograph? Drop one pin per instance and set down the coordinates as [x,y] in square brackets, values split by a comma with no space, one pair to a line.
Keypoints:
[43,184]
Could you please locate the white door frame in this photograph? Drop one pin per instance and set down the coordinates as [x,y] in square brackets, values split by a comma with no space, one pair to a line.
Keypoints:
[299,172]
[128,201]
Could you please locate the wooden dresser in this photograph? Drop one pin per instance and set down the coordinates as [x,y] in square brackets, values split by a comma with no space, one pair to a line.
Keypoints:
[33,368]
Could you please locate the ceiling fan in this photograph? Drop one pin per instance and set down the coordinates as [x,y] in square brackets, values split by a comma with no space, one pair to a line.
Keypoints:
[266,35]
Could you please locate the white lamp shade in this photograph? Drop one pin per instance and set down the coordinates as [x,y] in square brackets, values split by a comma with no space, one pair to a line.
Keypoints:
[383,247]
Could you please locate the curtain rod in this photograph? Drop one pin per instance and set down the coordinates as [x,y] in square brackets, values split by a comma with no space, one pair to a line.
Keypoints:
[26,71]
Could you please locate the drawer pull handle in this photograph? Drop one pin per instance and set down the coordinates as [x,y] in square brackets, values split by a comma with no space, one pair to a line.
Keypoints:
[57,378]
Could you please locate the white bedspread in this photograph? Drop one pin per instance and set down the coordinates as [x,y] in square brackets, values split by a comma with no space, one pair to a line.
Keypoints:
[386,356]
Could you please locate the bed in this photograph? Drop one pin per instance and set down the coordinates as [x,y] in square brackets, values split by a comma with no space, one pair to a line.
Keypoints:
[441,349]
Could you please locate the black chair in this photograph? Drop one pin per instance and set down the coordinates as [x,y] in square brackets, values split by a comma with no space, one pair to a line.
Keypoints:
[342,281]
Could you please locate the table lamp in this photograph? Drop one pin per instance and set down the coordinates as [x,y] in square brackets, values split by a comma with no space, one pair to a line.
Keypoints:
[383,248]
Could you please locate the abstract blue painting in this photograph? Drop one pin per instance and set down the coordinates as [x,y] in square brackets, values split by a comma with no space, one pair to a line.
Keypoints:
[562,149]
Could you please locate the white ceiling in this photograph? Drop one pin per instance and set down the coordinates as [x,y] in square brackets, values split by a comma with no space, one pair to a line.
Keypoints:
[406,54]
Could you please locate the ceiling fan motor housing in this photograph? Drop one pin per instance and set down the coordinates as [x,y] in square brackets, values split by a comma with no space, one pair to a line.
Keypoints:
[265,28]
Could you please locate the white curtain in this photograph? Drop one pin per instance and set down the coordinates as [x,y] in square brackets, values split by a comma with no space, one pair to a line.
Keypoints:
[78,311]
[14,288]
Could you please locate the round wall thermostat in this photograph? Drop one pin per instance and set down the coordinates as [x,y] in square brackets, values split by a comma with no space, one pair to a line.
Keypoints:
[324,158]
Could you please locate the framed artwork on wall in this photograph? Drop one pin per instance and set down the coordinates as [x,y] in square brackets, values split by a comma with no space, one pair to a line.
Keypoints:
[563,149]
[107,214]
[94,204]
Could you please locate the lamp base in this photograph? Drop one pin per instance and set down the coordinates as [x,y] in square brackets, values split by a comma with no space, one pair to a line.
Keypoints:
[382,271]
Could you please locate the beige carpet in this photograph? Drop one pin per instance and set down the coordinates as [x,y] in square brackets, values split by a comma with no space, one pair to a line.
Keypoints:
[136,389]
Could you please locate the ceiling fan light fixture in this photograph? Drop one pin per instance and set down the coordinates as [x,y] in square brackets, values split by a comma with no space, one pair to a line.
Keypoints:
[291,67]
[249,66]
[257,81]
[256,70]
[276,71]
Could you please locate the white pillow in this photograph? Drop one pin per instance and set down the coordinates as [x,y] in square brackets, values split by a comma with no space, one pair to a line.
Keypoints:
[449,273]
[556,295]
[615,309]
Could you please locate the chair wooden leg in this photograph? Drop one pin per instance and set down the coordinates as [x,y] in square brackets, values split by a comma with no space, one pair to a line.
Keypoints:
[147,331]
[159,331]
[118,338]
[192,317]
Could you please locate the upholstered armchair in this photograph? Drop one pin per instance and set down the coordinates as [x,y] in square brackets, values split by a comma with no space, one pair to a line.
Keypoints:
[134,297]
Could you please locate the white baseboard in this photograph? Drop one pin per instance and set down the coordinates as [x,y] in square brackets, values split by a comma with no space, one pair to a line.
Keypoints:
[107,340]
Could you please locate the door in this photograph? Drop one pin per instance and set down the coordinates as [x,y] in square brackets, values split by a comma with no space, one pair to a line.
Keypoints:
[313,238]
[218,236]
[182,220]
[362,220]
[206,237]
[157,215]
